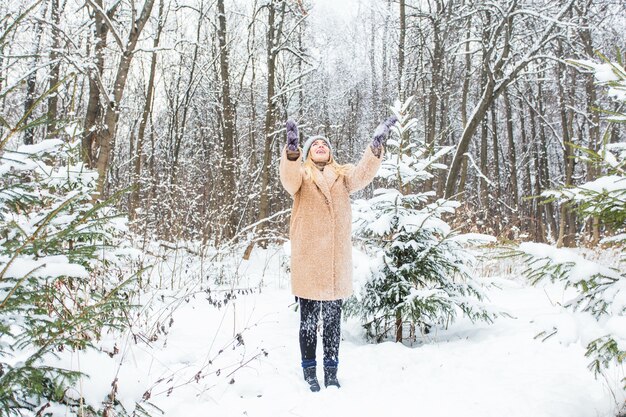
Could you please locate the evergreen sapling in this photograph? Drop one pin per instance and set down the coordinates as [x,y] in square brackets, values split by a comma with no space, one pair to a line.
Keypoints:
[420,275]
[62,284]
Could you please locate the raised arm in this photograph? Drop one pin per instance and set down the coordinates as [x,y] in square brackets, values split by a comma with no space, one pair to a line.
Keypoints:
[365,171]
[290,167]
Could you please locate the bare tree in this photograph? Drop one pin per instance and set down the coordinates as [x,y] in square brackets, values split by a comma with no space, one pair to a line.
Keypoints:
[93,116]
[512,157]
[401,46]
[275,21]
[228,128]
[31,80]
[111,115]
[145,116]
[501,61]
[56,10]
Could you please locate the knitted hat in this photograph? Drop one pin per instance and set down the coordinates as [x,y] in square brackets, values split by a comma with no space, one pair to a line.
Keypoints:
[309,142]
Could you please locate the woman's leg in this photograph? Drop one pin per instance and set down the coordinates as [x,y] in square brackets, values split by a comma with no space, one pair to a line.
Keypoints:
[331,314]
[309,316]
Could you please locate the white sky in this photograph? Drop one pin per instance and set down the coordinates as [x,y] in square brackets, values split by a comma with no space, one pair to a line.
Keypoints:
[345,10]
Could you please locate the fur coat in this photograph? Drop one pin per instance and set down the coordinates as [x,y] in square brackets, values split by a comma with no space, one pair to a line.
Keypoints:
[321,225]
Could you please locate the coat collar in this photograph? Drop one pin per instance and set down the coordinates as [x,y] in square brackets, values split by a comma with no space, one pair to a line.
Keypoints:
[325,180]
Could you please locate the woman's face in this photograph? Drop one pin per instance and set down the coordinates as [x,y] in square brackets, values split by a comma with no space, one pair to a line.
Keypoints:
[319,151]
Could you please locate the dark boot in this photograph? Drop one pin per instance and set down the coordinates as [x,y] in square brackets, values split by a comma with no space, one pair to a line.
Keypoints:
[330,377]
[310,376]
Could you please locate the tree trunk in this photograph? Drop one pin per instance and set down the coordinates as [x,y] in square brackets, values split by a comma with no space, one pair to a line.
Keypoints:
[228,130]
[496,209]
[543,165]
[593,117]
[483,187]
[112,113]
[512,153]
[565,237]
[525,208]
[252,132]
[399,336]
[376,99]
[539,223]
[444,126]
[273,36]
[401,42]
[29,102]
[465,97]
[486,80]
[301,50]
[31,82]
[384,74]
[53,99]
[93,115]
[435,86]
[145,116]
[496,153]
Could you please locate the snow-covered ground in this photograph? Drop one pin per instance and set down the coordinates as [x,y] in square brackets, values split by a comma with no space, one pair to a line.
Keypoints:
[199,366]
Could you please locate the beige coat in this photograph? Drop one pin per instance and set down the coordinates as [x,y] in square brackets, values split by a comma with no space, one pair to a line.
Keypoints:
[321,225]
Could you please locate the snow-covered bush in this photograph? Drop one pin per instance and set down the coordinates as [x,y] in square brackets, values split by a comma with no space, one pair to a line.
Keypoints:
[420,275]
[60,287]
[601,290]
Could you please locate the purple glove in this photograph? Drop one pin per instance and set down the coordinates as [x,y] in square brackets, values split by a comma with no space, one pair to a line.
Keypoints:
[292,135]
[380,135]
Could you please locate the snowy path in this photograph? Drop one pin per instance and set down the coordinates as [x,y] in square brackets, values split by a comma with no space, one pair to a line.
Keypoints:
[493,371]
[483,370]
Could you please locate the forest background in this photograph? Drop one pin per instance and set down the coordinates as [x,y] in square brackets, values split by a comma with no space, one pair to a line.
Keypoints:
[139,149]
[185,101]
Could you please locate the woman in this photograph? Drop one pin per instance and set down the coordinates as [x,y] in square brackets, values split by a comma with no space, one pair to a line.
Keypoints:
[320,231]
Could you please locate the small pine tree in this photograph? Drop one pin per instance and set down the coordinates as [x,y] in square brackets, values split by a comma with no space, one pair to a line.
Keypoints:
[421,276]
[60,284]
[57,292]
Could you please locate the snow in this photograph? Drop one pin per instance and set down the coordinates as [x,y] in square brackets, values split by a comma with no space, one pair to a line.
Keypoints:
[610,73]
[15,161]
[582,269]
[197,367]
[382,225]
[381,130]
[617,326]
[616,296]
[608,183]
[617,238]
[45,145]
[474,237]
[46,266]
[605,73]
[20,160]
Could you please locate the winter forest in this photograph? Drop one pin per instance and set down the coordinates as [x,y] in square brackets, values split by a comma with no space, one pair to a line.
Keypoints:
[144,231]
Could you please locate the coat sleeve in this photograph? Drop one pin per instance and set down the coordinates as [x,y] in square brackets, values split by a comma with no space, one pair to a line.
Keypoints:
[290,173]
[363,173]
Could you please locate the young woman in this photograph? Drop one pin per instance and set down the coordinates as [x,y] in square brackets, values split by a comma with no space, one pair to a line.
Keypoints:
[320,234]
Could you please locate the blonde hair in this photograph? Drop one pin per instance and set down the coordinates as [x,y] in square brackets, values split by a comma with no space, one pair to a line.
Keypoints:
[309,166]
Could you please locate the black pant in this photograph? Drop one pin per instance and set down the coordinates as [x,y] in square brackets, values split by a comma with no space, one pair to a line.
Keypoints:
[309,316]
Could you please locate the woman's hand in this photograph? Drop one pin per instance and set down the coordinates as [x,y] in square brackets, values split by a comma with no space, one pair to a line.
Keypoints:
[380,135]
[292,136]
